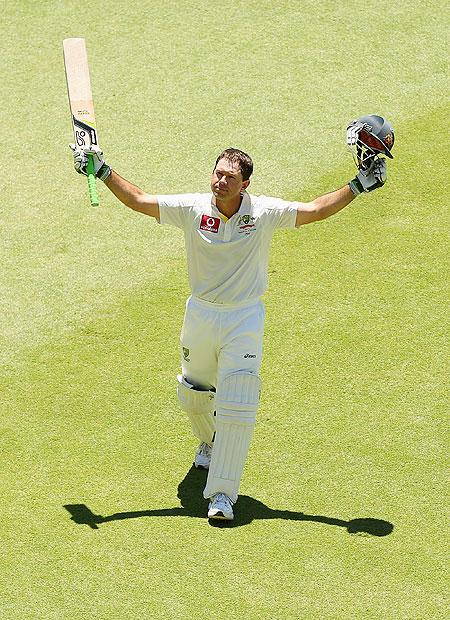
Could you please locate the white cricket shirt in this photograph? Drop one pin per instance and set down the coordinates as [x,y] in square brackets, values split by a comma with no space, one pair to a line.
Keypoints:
[227,260]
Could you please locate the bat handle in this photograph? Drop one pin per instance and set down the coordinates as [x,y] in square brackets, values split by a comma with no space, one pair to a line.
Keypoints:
[93,196]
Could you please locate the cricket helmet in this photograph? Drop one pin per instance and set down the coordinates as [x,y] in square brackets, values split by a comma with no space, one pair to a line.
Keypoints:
[370,135]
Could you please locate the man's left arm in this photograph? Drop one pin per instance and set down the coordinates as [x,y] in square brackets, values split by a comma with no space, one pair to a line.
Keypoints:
[366,180]
[324,206]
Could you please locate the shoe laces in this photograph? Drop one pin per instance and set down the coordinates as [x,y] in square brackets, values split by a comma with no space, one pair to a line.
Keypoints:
[221,497]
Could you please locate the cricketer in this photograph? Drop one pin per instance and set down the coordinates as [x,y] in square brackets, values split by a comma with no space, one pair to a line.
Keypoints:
[227,234]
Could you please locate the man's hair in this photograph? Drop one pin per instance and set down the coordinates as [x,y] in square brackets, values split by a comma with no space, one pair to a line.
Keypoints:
[236,156]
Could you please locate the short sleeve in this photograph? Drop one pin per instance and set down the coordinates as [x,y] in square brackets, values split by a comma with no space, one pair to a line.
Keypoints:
[278,212]
[174,209]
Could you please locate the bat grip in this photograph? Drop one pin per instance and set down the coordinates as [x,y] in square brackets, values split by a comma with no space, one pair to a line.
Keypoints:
[90,169]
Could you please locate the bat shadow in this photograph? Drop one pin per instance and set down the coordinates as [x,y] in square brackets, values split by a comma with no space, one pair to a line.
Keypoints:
[194,505]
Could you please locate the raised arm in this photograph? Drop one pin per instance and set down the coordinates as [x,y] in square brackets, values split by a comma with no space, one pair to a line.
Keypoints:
[324,206]
[130,195]
[366,180]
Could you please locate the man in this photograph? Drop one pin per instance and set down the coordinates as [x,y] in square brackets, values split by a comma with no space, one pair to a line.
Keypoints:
[227,235]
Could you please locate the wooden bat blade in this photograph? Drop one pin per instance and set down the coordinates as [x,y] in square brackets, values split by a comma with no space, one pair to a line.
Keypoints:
[79,91]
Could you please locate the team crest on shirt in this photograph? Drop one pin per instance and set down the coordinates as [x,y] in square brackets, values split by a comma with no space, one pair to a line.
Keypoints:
[209,223]
[246,223]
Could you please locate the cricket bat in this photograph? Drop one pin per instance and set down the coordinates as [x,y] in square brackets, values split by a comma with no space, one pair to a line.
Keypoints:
[81,103]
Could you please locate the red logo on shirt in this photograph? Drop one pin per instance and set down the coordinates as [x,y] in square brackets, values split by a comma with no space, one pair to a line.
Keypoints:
[211,224]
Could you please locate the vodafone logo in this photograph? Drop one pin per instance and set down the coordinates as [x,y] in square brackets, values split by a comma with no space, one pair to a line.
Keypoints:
[209,223]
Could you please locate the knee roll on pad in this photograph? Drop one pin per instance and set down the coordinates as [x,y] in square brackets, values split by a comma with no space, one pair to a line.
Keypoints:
[237,397]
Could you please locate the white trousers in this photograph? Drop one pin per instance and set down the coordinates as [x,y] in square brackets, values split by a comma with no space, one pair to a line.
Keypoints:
[221,349]
[219,340]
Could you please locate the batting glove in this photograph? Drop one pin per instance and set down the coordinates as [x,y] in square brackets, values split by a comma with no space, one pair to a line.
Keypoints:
[370,178]
[80,159]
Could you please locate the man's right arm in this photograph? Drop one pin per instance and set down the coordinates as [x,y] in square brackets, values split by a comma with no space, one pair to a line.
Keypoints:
[132,196]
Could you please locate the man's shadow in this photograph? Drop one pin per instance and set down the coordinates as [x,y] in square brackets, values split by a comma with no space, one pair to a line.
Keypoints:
[190,495]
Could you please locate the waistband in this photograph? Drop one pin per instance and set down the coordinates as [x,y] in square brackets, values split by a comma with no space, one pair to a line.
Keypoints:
[218,307]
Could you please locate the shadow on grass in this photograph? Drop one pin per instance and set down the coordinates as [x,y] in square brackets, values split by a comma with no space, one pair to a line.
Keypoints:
[190,492]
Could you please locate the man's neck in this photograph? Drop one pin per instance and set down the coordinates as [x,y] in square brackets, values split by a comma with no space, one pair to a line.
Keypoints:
[229,208]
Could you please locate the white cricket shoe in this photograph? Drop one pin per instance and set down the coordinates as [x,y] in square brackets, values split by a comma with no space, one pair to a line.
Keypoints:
[220,507]
[203,456]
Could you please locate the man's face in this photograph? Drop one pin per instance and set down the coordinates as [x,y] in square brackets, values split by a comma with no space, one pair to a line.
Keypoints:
[226,181]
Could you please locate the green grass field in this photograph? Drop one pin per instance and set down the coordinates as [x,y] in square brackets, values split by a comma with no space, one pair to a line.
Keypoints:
[342,514]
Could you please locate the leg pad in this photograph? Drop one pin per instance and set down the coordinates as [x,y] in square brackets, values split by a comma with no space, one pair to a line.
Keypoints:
[237,401]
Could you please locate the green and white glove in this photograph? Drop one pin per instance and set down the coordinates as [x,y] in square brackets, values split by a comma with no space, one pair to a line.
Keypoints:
[370,178]
[80,159]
